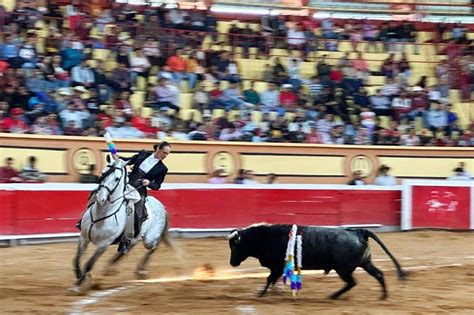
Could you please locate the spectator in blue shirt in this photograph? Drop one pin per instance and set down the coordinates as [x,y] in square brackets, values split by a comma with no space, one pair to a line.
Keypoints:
[9,51]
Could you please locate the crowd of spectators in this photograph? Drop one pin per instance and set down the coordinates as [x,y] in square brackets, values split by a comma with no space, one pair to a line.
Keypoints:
[55,86]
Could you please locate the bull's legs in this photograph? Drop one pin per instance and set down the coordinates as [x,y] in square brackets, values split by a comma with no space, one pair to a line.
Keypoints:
[350,283]
[377,274]
[272,279]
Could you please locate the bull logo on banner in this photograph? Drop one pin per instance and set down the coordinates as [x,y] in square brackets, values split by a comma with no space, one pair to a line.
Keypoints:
[442,201]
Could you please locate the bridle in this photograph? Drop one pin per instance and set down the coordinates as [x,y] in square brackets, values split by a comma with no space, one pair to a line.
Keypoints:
[123,177]
[106,174]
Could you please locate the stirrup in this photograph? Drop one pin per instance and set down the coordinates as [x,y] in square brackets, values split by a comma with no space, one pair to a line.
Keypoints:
[124,246]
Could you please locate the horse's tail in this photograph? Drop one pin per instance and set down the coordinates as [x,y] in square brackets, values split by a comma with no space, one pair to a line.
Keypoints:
[168,239]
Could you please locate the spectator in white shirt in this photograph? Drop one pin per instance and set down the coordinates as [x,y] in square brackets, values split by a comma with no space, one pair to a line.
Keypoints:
[367,119]
[383,178]
[459,175]
[139,64]
[122,129]
[381,104]
[249,178]
[83,75]
[463,166]
[410,138]
[391,88]
[295,37]
[75,113]
[401,106]
[294,72]
[230,134]
[270,99]
[437,118]
[357,179]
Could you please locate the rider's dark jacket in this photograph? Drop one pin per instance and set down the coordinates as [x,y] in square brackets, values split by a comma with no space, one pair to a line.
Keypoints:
[156,175]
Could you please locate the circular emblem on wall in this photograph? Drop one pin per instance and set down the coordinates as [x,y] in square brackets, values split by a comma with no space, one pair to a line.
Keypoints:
[361,163]
[225,161]
[81,160]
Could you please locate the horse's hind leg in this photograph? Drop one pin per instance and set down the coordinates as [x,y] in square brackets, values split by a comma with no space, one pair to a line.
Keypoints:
[110,269]
[81,248]
[141,272]
[90,263]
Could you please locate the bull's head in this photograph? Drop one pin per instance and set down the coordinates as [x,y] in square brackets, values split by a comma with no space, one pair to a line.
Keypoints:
[238,248]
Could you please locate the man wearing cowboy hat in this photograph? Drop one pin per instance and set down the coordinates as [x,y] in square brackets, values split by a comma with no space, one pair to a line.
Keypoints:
[148,172]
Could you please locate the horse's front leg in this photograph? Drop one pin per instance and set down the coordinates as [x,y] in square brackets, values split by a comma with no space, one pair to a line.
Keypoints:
[90,263]
[81,248]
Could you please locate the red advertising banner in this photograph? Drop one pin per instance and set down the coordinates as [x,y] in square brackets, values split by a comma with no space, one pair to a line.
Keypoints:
[438,204]
[55,208]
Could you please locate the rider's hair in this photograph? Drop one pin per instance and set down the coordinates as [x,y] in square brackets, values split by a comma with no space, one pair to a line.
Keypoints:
[161,145]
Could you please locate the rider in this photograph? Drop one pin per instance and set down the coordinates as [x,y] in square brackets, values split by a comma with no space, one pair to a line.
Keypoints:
[148,171]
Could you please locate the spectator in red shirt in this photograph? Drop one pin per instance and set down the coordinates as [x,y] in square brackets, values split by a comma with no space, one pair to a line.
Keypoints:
[419,102]
[143,124]
[106,117]
[215,95]
[8,174]
[336,75]
[123,103]
[16,122]
[288,98]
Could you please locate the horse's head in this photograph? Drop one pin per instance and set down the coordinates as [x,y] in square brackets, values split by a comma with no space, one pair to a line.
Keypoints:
[113,181]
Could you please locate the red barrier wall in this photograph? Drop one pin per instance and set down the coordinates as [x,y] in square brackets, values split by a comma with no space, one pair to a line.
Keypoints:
[49,210]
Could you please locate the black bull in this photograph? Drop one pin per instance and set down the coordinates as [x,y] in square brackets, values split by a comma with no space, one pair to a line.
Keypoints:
[339,249]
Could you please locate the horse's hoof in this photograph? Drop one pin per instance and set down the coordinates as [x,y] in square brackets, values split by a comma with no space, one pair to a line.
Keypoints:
[141,274]
[76,289]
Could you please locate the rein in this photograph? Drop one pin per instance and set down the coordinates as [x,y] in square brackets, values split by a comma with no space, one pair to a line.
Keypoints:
[111,191]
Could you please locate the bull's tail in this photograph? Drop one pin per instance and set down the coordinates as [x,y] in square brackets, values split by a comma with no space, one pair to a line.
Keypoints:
[402,274]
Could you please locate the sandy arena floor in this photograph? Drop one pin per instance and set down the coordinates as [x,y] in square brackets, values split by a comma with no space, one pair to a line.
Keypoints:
[35,279]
